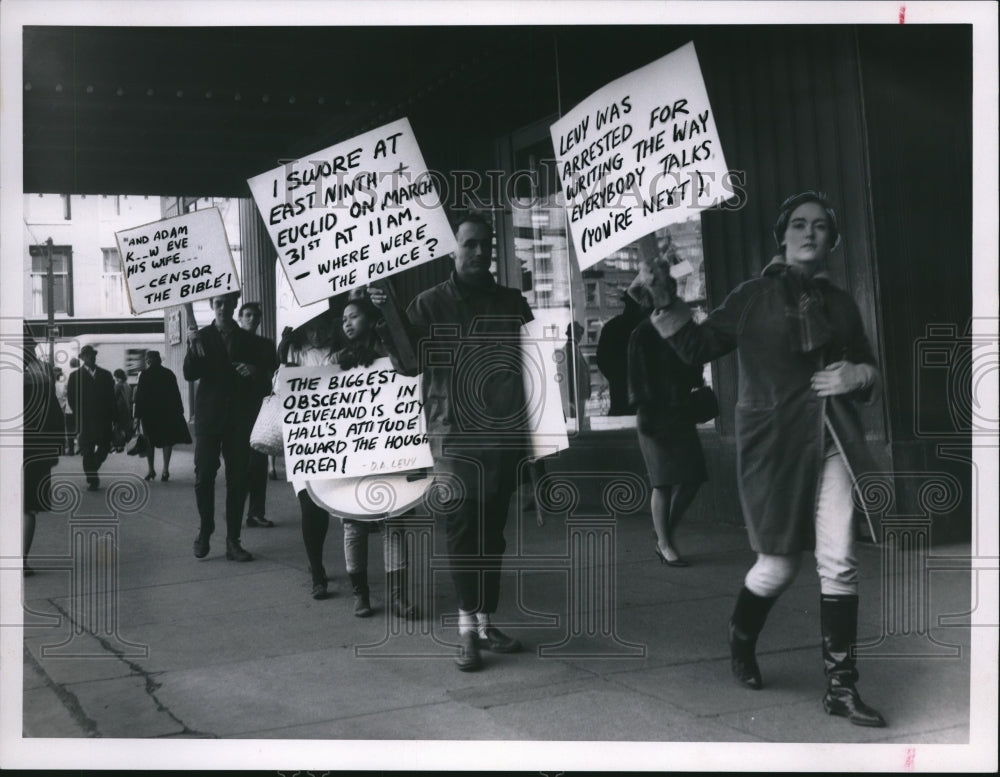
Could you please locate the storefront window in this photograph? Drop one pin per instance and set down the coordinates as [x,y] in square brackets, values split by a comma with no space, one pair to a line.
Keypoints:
[576,306]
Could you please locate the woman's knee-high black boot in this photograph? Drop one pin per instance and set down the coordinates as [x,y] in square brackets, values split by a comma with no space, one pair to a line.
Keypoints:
[839,622]
[744,627]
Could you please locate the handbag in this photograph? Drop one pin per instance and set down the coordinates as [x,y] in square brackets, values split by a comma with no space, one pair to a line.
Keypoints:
[121,435]
[141,445]
[266,436]
[704,404]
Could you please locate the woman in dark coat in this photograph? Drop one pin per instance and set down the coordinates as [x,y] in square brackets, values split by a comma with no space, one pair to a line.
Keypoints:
[660,388]
[159,408]
[42,439]
[612,354]
[123,403]
[804,363]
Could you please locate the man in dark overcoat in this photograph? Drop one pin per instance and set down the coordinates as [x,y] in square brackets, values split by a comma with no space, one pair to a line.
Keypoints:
[232,377]
[90,392]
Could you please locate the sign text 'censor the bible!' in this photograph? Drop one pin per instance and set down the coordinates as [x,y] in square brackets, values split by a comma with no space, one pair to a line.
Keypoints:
[177,260]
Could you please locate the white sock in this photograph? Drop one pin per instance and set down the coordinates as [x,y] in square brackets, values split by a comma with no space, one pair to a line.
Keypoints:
[482,623]
[466,622]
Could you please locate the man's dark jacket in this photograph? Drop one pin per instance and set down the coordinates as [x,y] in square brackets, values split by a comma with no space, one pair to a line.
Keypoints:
[224,396]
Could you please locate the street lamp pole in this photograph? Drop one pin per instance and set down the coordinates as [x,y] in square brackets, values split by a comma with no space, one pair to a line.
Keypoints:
[50,283]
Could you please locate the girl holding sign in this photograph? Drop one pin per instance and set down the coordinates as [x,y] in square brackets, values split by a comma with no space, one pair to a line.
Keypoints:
[315,344]
[804,365]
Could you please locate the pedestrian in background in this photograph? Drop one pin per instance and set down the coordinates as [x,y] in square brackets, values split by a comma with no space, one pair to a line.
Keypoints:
[660,387]
[72,448]
[67,414]
[573,373]
[123,428]
[160,410]
[612,355]
[249,320]
[804,364]
[91,395]
[42,436]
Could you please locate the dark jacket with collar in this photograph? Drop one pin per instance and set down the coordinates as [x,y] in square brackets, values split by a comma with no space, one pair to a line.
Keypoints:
[660,385]
[92,400]
[781,424]
[468,345]
[224,396]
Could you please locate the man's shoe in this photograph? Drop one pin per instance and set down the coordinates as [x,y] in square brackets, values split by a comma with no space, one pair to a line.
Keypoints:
[498,642]
[235,552]
[201,546]
[259,523]
[93,485]
[468,658]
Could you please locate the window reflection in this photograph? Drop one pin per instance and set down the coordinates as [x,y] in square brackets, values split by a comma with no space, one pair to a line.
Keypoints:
[576,307]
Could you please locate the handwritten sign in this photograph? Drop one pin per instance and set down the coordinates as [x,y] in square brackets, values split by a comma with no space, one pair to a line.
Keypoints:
[348,423]
[638,154]
[353,213]
[177,260]
[288,311]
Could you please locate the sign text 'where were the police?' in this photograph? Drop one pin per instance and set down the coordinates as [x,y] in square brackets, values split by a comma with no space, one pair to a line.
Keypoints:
[348,423]
[353,213]
[177,260]
[640,153]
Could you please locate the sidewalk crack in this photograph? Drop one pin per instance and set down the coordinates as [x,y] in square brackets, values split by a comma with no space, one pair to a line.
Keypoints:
[69,701]
[151,685]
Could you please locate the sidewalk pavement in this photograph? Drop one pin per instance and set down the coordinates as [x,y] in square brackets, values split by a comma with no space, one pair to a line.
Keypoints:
[142,640]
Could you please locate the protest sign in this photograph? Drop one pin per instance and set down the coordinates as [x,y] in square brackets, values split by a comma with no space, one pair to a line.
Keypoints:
[288,311]
[353,213]
[348,423]
[541,391]
[640,153]
[177,260]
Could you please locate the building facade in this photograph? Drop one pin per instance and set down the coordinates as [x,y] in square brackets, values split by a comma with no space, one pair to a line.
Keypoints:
[88,282]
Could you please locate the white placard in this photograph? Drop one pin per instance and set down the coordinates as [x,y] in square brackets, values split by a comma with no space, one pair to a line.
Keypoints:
[288,311]
[541,391]
[177,260]
[348,423]
[353,213]
[638,154]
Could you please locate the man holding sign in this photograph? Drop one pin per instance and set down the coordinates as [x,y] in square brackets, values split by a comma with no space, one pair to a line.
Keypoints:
[466,334]
[232,377]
